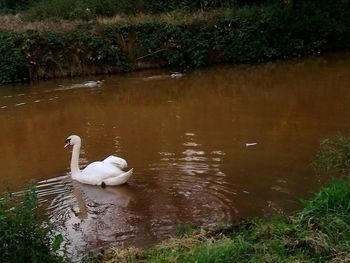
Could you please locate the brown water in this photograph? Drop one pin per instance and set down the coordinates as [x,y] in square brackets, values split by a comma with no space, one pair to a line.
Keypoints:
[186,140]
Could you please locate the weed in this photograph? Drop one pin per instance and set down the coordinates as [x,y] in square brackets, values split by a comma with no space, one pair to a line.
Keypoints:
[184,229]
[24,235]
[334,156]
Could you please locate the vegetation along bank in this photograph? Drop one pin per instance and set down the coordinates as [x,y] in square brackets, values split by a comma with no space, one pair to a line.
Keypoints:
[320,232]
[231,35]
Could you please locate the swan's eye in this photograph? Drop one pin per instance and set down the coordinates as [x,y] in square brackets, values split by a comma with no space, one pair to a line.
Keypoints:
[68,141]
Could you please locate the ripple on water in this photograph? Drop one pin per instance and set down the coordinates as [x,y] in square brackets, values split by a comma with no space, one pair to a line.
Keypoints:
[198,189]
[88,216]
[91,217]
[187,187]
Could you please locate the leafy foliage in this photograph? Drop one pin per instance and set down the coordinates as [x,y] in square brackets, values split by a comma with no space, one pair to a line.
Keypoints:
[87,9]
[13,66]
[24,237]
[248,34]
[9,6]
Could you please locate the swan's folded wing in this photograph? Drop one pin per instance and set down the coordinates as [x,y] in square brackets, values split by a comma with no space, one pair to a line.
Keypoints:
[120,179]
[117,161]
[101,170]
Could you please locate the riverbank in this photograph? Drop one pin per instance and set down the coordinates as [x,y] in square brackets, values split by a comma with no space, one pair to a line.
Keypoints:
[320,232]
[105,46]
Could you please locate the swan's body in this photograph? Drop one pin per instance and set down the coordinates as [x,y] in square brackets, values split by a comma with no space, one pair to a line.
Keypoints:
[176,75]
[93,84]
[106,172]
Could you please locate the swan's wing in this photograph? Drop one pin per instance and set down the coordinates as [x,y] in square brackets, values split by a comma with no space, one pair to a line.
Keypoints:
[100,171]
[90,84]
[120,179]
[117,161]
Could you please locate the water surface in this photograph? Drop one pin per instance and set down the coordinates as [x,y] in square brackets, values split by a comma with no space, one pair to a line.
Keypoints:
[186,139]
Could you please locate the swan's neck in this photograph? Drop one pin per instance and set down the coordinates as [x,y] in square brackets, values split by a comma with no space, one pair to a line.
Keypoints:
[74,163]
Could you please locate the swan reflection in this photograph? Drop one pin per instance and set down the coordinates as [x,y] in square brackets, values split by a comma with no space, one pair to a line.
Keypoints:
[118,196]
[88,216]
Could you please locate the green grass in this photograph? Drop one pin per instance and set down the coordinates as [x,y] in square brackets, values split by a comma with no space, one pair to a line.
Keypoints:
[318,233]
[334,156]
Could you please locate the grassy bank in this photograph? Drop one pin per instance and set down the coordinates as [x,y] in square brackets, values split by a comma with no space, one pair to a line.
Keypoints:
[320,232]
[110,45]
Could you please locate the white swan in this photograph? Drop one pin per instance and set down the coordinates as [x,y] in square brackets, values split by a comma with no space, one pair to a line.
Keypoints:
[92,83]
[176,75]
[106,172]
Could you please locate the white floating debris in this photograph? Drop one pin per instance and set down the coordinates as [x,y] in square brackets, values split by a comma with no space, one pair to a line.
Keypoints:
[251,144]
[3,107]
[36,101]
[20,104]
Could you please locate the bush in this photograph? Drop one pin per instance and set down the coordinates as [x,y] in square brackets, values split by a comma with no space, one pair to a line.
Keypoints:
[247,35]
[24,236]
[87,9]
[12,6]
[13,66]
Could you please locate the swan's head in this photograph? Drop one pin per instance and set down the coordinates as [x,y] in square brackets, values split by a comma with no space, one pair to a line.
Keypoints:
[73,140]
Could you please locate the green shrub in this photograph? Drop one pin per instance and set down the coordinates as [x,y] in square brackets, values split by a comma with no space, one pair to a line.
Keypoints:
[84,50]
[249,34]
[25,236]
[12,6]
[87,9]
[13,66]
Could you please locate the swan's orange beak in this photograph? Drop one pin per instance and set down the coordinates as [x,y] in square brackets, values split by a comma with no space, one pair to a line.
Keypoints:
[66,145]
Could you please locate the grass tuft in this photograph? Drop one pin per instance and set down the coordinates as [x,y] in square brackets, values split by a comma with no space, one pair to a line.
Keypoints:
[334,156]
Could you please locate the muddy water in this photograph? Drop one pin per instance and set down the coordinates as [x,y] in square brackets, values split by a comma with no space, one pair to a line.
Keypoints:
[213,146]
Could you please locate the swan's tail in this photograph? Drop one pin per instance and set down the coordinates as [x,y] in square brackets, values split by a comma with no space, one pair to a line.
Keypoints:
[120,179]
